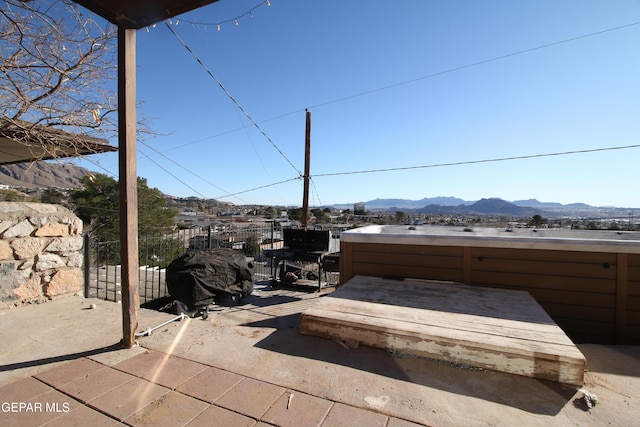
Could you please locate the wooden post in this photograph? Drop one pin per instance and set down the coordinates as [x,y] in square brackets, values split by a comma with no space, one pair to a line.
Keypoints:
[128,183]
[307,161]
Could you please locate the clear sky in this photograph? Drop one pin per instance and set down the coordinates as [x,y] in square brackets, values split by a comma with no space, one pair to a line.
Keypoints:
[394,85]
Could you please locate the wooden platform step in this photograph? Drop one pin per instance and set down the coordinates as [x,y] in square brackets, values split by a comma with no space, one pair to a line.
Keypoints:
[497,329]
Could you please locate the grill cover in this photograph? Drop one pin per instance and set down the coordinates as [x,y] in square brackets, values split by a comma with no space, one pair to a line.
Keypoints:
[198,277]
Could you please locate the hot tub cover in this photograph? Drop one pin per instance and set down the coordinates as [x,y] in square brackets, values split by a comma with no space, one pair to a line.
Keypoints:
[198,277]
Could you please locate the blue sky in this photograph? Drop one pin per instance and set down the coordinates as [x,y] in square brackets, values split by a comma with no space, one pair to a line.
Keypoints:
[394,85]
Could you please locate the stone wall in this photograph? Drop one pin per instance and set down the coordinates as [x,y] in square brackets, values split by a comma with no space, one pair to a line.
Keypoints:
[40,253]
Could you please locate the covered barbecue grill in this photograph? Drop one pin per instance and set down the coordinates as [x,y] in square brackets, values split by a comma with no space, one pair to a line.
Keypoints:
[301,246]
[198,278]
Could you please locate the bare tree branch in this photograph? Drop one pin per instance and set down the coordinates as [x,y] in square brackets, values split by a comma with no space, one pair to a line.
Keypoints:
[58,69]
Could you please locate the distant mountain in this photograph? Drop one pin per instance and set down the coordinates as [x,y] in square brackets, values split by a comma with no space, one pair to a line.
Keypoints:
[414,204]
[42,175]
[482,207]
[535,203]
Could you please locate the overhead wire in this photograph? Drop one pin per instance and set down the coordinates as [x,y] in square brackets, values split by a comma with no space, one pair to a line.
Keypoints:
[230,96]
[186,169]
[261,187]
[471,162]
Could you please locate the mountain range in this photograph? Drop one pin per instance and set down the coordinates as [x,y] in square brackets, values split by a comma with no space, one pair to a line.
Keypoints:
[41,175]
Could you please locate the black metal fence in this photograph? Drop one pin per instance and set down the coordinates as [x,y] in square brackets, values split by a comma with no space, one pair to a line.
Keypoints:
[103,267]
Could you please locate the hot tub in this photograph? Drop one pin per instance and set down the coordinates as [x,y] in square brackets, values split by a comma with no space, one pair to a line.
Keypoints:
[588,281]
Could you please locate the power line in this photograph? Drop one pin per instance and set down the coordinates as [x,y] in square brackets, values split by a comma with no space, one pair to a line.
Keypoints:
[174,177]
[471,162]
[474,64]
[182,167]
[224,89]
[261,187]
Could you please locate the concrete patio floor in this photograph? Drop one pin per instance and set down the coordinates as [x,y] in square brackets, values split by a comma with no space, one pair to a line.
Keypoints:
[61,364]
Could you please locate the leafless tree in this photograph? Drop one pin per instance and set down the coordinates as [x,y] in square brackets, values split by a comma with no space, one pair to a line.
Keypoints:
[58,69]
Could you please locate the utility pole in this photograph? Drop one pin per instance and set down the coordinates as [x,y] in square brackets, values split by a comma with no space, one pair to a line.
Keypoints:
[307,161]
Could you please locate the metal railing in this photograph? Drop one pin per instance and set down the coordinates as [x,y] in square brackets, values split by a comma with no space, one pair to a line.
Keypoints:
[102,269]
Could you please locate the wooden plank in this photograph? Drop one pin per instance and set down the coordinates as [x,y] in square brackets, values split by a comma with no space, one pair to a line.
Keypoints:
[543,281]
[493,328]
[413,271]
[564,269]
[450,251]
[560,256]
[408,260]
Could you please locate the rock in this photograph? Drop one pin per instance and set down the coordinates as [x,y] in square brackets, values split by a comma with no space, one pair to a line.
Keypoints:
[53,230]
[6,252]
[65,244]
[21,229]
[47,261]
[65,281]
[27,247]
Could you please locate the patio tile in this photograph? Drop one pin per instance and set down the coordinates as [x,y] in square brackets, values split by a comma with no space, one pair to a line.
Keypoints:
[129,398]
[214,415]
[174,371]
[142,363]
[251,397]
[95,384]
[396,422]
[82,416]
[210,384]
[171,410]
[344,415]
[23,390]
[301,410]
[68,372]
[39,410]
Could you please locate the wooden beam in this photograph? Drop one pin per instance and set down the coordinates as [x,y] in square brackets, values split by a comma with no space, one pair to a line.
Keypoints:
[128,183]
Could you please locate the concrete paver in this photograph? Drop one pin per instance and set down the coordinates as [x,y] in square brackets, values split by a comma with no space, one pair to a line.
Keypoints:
[129,398]
[251,397]
[342,415]
[215,415]
[210,384]
[142,363]
[171,410]
[95,384]
[83,416]
[23,390]
[174,372]
[69,372]
[295,409]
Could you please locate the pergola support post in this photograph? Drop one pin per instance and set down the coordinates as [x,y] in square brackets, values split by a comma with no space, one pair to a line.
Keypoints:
[128,183]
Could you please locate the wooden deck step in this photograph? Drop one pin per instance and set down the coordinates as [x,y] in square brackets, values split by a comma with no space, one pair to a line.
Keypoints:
[498,329]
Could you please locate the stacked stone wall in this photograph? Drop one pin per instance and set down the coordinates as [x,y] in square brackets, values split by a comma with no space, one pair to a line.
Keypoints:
[41,253]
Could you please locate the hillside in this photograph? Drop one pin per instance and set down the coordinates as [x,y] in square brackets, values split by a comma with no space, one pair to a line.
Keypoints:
[42,175]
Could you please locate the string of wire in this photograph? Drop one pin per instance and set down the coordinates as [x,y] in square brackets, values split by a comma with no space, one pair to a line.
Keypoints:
[471,162]
[224,89]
